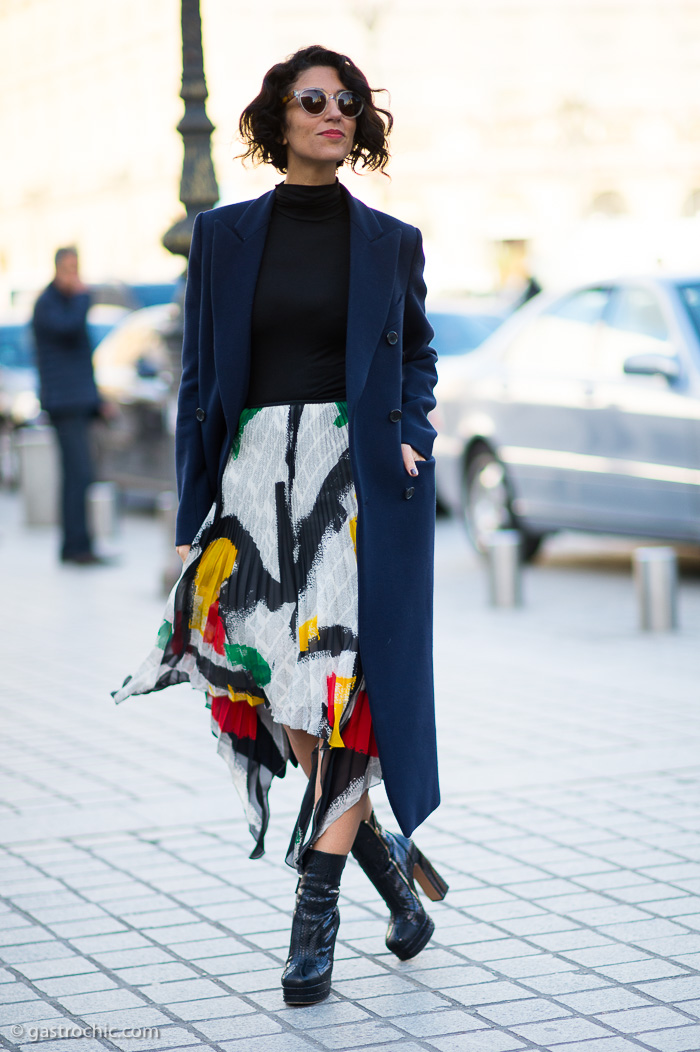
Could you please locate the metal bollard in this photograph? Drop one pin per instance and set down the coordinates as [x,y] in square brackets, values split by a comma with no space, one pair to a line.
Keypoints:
[102,510]
[38,475]
[172,566]
[504,567]
[656,577]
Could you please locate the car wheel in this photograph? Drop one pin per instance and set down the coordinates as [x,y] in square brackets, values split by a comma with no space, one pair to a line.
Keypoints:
[486,503]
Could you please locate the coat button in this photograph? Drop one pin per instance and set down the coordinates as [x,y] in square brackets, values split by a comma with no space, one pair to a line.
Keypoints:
[392,337]
[408,493]
[201,415]
[395,416]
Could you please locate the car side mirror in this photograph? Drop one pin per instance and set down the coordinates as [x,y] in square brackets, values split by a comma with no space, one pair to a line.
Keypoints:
[653,365]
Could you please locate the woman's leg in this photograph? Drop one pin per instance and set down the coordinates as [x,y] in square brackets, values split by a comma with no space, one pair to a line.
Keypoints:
[303,745]
[340,835]
[307,974]
[390,861]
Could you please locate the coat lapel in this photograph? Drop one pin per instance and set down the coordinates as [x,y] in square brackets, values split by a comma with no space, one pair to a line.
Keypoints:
[237,253]
[373,265]
[236,257]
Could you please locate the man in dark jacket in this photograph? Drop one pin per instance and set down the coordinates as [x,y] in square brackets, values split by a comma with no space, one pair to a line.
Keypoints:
[68,394]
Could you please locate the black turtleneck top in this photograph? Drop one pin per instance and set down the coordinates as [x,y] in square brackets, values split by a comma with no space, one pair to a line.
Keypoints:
[300,309]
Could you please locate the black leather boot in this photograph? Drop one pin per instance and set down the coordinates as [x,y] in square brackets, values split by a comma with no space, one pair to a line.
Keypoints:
[393,864]
[306,979]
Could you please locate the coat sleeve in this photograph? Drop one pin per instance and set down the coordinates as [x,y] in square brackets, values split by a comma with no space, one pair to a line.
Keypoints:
[419,374]
[192,480]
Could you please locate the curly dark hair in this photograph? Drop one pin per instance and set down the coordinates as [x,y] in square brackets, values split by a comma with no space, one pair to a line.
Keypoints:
[261,124]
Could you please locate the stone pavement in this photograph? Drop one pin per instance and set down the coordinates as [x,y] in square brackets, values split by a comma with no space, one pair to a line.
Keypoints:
[569,832]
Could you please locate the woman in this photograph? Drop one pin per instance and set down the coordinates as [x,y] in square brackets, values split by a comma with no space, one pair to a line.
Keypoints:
[307,504]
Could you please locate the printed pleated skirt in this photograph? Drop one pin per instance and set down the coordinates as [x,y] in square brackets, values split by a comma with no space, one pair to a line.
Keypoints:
[264,617]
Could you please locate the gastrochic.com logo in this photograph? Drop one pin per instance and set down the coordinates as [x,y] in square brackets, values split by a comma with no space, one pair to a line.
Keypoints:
[62,1030]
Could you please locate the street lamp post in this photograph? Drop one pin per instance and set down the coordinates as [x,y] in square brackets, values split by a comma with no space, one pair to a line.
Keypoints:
[198,189]
[198,192]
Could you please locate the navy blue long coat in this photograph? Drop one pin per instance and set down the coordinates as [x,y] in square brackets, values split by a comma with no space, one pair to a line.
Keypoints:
[389,366]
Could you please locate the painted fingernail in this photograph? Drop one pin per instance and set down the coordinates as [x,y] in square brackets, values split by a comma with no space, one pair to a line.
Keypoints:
[414,470]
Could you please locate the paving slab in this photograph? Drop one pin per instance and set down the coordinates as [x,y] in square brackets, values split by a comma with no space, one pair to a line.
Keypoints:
[569,830]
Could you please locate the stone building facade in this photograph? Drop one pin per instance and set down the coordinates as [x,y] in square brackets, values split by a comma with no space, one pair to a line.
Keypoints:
[558,134]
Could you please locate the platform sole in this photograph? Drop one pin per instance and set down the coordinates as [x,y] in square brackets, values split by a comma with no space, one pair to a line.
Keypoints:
[420,940]
[307,995]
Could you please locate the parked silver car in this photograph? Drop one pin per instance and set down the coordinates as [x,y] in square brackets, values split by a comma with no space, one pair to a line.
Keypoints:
[582,411]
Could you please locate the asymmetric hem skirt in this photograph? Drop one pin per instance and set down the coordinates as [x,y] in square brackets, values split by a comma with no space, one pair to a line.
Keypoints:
[264,617]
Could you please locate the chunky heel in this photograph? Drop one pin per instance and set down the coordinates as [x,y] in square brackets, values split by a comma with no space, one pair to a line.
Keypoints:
[429,879]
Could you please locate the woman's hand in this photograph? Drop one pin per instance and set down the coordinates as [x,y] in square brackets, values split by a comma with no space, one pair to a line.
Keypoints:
[410,456]
[183,550]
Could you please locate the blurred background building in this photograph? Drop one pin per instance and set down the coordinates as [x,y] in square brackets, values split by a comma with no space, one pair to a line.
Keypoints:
[554,136]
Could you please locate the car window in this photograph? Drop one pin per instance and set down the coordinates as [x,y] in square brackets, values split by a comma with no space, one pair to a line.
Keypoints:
[562,339]
[634,324]
[586,306]
[638,310]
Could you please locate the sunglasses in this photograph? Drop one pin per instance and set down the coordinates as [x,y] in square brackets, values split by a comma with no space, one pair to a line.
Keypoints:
[315,101]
